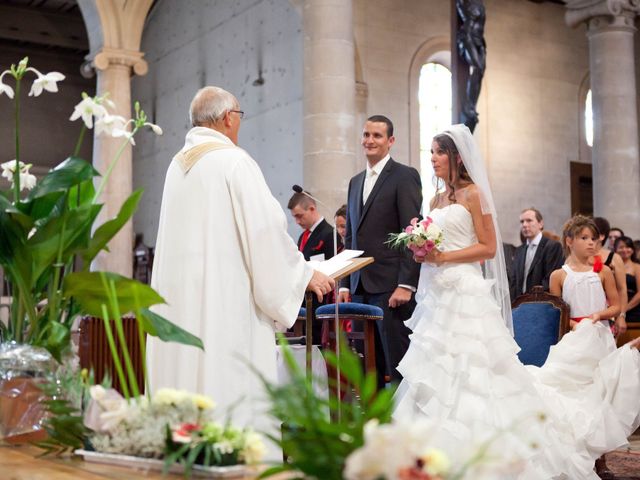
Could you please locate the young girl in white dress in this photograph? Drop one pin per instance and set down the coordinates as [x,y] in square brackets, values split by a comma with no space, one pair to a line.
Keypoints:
[588,288]
[462,369]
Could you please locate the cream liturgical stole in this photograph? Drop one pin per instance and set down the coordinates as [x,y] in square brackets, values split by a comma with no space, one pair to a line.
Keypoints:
[189,158]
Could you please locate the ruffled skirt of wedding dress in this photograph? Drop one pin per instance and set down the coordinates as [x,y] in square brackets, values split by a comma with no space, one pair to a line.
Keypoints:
[462,370]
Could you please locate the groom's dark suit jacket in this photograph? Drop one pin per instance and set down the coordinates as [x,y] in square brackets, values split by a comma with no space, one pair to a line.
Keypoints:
[396,198]
[548,257]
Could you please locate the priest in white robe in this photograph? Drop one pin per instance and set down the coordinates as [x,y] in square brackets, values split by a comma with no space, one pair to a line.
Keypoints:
[225,265]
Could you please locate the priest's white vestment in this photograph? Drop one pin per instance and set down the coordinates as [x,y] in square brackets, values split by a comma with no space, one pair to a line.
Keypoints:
[229,273]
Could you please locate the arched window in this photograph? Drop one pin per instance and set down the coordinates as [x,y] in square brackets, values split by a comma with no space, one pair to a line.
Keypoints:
[588,120]
[434,100]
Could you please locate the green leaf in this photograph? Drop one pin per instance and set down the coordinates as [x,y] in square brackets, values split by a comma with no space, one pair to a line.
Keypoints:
[58,338]
[88,290]
[68,230]
[82,194]
[65,175]
[107,230]
[158,326]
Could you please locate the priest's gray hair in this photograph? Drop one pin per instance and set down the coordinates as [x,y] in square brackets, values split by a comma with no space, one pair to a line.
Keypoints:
[209,105]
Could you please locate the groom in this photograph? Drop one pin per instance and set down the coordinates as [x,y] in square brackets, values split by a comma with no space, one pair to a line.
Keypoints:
[383,199]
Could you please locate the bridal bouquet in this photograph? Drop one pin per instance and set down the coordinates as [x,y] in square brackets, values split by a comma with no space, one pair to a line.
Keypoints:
[421,236]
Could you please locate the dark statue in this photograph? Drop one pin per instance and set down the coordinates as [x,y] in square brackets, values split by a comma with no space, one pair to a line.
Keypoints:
[473,50]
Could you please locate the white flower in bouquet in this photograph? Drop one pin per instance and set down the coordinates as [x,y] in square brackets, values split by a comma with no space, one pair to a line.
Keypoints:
[203,402]
[138,426]
[433,231]
[254,449]
[435,462]
[392,450]
[169,396]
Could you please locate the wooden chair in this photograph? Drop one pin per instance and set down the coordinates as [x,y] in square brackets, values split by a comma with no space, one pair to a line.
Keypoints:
[94,352]
[539,321]
[296,335]
[633,332]
[356,312]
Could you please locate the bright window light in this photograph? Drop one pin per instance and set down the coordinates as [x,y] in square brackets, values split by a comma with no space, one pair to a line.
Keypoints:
[434,99]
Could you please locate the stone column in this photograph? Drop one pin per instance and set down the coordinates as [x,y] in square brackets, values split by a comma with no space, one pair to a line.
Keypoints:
[114,69]
[115,31]
[615,154]
[329,109]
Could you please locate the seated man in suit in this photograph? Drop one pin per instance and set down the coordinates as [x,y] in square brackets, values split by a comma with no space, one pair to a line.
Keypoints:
[315,242]
[536,258]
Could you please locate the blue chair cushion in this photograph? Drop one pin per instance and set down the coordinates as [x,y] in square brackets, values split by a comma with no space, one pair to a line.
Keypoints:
[536,327]
[302,313]
[350,309]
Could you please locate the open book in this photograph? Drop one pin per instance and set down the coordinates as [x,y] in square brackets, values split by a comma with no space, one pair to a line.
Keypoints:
[335,264]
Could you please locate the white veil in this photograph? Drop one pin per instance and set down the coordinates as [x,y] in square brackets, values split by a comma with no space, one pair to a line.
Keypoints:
[495,268]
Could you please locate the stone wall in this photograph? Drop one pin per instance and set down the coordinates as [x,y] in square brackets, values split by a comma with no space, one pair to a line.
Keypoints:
[529,106]
[192,44]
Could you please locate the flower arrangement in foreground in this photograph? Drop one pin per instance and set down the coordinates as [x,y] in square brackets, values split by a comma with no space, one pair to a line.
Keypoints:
[356,439]
[421,236]
[174,425]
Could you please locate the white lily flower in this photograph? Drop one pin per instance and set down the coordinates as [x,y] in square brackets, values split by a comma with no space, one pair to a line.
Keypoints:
[109,103]
[46,82]
[5,88]
[108,123]
[8,168]
[87,109]
[156,129]
[120,132]
[27,180]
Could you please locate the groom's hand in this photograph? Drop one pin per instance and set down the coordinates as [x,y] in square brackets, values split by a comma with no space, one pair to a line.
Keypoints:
[400,296]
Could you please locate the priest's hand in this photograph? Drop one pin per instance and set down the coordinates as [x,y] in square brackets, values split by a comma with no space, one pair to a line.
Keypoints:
[320,284]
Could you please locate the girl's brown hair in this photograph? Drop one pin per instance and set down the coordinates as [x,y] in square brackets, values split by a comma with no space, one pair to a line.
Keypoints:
[574,226]
[457,171]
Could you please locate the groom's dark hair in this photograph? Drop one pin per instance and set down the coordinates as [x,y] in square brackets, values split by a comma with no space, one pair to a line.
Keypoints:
[382,119]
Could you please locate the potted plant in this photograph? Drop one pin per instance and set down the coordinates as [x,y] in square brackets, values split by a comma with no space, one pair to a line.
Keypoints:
[47,243]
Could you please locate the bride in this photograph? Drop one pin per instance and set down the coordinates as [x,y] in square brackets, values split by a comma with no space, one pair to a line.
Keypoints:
[462,368]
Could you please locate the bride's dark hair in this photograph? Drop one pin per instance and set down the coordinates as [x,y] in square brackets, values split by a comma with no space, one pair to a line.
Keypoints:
[457,171]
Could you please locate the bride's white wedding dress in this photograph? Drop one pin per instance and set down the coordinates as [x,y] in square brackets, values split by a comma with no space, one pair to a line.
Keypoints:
[462,370]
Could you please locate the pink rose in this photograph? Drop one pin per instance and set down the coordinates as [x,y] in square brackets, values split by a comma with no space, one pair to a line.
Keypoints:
[429,244]
[408,230]
[414,221]
[420,252]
